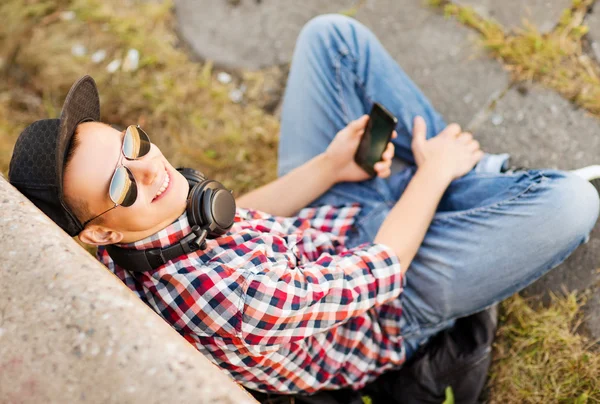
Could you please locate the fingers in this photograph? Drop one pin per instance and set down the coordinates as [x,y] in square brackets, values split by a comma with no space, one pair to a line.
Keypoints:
[465,137]
[383,168]
[474,146]
[388,154]
[451,130]
[358,125]
[419,131]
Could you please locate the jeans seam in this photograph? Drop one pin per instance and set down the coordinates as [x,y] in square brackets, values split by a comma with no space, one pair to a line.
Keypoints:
[452,215]
[362,86]
[337,61]
[339,55]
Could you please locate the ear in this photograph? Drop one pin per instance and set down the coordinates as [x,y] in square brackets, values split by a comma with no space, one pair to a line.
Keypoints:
[100,235]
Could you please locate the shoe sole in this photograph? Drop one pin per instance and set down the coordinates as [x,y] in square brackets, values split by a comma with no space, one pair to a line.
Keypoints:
[591,174]
[596,184]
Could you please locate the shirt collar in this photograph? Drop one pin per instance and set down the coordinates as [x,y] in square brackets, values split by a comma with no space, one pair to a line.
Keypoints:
[165,237]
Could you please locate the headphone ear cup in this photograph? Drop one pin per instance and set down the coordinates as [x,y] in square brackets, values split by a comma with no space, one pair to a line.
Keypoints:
[194,202]
[218,208]
[212,207]
[205,210]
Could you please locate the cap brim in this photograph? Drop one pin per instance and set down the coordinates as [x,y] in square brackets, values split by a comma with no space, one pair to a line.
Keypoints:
[81,105]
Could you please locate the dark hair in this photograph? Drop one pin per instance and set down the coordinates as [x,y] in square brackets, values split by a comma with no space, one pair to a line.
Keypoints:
[78,206]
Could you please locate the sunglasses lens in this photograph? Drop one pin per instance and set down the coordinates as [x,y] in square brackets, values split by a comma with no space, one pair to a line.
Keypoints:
[136,143]
[123,190]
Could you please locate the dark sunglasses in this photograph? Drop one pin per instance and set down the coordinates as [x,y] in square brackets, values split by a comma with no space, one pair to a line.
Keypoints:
[123,188]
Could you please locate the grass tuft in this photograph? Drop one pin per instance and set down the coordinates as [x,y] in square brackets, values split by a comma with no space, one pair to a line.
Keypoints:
[541,358]
[555,59]
[186,111]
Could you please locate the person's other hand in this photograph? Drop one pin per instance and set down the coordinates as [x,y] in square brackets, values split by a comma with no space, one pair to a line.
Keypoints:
[451,154]
[343,147]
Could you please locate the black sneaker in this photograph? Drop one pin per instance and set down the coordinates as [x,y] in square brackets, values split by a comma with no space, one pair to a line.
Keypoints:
[590,173]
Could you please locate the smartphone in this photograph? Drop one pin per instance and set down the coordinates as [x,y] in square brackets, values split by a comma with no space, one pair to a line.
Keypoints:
[377,134]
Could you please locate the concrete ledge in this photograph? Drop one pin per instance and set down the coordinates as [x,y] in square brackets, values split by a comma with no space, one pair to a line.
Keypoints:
[72,332]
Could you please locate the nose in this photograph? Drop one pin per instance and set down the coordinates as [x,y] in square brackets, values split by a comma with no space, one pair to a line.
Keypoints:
[145,170]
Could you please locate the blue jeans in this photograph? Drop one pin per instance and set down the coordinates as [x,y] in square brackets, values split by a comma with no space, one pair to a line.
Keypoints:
[493,233]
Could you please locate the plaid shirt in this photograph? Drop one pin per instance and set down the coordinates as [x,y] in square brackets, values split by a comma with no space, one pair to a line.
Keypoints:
[280,303]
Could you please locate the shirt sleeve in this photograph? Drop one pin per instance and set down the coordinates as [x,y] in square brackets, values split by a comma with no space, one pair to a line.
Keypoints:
[282,304]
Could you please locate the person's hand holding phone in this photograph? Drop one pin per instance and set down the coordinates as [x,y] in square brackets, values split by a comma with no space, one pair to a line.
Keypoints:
[450,155]
[342,149]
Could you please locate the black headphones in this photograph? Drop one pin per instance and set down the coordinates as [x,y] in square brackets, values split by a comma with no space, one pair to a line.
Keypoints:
[210,211]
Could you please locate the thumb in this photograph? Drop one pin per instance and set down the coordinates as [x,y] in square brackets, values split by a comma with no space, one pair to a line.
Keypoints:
[419,131]
[357,126]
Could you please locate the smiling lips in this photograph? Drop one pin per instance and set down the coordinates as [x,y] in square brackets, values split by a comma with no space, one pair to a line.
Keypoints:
[163,187]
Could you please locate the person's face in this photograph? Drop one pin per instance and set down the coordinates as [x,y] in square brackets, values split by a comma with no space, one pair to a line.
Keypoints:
[88,177]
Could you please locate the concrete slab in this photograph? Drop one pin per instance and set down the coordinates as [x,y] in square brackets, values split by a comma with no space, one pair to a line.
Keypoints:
[542,130]
[441,56]
[544,14]
[248,33]
[71,332]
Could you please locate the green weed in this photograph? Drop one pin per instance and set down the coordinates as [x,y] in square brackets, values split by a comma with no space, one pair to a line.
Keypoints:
[555,59]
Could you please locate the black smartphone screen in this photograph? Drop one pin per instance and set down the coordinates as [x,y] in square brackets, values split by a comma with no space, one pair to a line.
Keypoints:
[375,139]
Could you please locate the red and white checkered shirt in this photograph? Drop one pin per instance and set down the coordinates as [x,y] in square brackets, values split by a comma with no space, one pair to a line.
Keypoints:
[280,303]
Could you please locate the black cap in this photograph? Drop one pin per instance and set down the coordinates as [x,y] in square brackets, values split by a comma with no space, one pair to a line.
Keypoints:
[36,167]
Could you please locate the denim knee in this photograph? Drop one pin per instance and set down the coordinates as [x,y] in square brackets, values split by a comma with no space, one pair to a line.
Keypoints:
[332,30]
[324,23]
[576,204]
